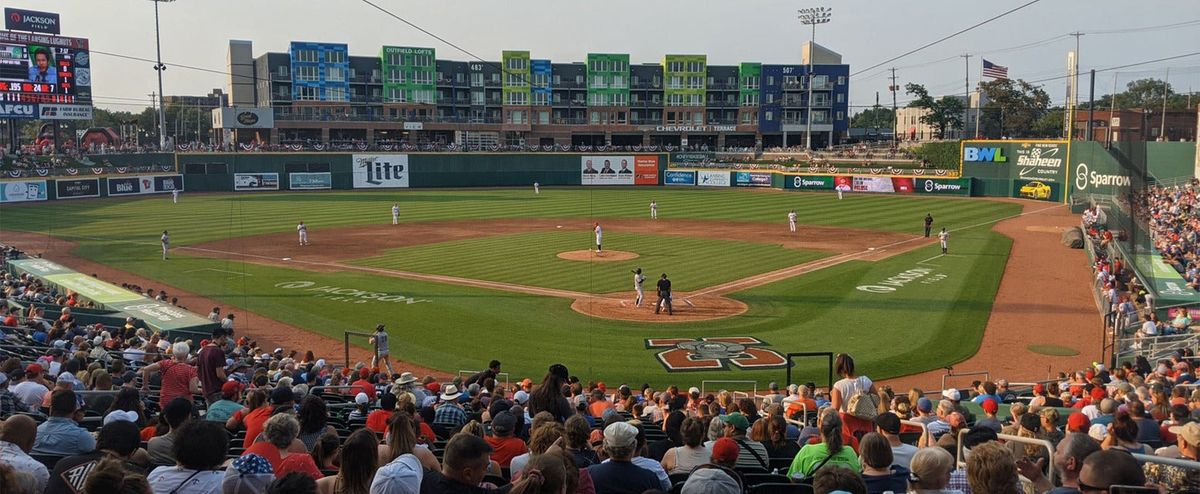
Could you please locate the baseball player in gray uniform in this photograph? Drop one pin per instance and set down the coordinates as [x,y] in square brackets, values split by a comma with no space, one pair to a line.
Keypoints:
[638,281]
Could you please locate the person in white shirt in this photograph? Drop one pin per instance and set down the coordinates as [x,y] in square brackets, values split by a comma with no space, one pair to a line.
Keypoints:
[537,188]
[599,235]
[653,210]
[638,281]
[227,324]
[792,221]
[166,243]
[395,213]
[942,238]
[175,196]
[15,444]
[215,315]
[303,231]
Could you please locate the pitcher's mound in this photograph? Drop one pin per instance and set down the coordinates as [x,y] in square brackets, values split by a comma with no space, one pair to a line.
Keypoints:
[593,256]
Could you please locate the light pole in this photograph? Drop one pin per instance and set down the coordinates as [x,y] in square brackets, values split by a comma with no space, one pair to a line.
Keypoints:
[811,17]
[159,67]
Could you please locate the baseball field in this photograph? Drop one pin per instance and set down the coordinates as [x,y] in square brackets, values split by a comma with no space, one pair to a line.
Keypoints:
[471,275]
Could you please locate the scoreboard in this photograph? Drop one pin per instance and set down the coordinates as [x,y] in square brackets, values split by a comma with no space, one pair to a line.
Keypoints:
[44,69]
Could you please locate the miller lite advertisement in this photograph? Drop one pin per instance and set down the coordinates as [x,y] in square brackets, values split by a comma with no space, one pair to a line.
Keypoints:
[380,171]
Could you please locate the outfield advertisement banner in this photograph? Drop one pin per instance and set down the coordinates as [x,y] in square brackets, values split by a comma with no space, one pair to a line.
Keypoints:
[808,182]
[310,181]
[380,171]
[645,170]
[77,188]
[255,181]
[1037,189]
[607,170]
[886,185]
[752,179]
[22,191]
[943,186]
[1022,162]
[676,177]
[148,184]
[693,157]
[712,179]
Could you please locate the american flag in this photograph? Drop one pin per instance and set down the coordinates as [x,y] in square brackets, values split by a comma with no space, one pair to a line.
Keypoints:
[994,71]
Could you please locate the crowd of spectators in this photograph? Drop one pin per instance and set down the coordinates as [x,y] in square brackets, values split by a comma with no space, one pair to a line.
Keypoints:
[1171,213]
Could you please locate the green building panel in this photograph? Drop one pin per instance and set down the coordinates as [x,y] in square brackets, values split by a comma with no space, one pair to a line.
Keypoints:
[515,77]
[685,79]
[608,79]
[750,83]
[409,74]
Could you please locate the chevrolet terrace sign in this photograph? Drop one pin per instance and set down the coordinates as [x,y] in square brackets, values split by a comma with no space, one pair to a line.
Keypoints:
[689,128]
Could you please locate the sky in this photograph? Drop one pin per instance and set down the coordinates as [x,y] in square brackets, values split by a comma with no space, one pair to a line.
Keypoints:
[1031,42]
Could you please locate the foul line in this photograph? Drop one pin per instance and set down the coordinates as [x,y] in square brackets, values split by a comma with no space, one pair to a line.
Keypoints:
[930,259]
[217,270]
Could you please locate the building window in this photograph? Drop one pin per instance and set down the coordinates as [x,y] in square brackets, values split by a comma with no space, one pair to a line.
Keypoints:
[770,98]
[841,116]
[518,64]
[750,99]
[425,78]
[695,67]
[675,82]
[515,80]
[769,116]
[841,97]
[698,118]
[393,58]
[306,73]
[335,74]
[335,56]
[306,55]
[395,76]
[476,79]
[422,60]
[674,66]
[841,80]
[517,98]
[598,82]
[307,93]
[820,80]
[750,82]
[477,98]
[695,100]
[335,94]
[618,81]
[695,82]
[619,99]
[396,95]
[540,99]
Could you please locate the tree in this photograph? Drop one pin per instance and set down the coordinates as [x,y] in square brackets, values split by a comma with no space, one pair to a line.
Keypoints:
[1013,109]
[1050,125]
[877,117]
[945,113]
[1143,93]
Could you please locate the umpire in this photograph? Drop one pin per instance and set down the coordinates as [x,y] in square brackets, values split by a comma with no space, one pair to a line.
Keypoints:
[664,295]
[928,223]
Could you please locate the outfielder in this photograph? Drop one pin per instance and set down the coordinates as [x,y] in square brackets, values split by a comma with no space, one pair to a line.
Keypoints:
[792,220]
[943,237]
[653,209]
[599,236]
[175,196]
[166,244]
[303,231]
[638,280]
[537,188]
[395,213]
[840,188]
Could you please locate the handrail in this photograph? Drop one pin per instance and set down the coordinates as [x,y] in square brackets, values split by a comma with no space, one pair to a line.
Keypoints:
[987,376]
[704,384]
[1175,462]
[1007,438]
[469,373]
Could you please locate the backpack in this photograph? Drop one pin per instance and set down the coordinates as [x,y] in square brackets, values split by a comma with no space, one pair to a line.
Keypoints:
[863,405]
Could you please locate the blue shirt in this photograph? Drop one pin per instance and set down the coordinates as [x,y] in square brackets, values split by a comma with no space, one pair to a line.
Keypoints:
[35,75]
[979,399]
[61,436]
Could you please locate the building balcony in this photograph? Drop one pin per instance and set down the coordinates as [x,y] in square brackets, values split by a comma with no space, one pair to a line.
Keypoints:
[645,85]
[276,76]
[722,104]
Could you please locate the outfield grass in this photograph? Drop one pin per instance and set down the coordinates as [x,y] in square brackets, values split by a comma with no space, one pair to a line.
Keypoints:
[530,259]
[915,328]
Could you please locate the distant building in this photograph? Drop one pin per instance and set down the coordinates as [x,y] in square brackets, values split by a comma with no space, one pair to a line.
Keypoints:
[910,128]
[1137,125]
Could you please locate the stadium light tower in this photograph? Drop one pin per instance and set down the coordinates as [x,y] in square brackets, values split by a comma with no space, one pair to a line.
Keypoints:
[159,67]
[811,17]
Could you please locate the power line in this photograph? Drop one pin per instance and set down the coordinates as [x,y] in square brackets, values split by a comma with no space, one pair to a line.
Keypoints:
[944,38]
[1162,27]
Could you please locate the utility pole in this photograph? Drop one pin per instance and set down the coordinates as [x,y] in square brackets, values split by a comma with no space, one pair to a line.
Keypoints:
[1075,73]
[967,91]
[159,67]
[1091,104]
[811,17]
[1112,108]
[895,117]
[1162,128]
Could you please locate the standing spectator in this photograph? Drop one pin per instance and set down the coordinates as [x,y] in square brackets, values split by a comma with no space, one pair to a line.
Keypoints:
[849,385]
[197,461]
[620,475]
[61,435]
[227,324]
[880,471]
[887,424]
[162,448]
[548,396]
[492,372]
[16,441]
[179,378]
[504,445]
[210,366]
[357,467]
[117,441]
[830,451]
[215,315]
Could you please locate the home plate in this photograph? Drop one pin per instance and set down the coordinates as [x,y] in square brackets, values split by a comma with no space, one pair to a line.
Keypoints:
[622,303]
[870,248]
[287,258]
[559,226]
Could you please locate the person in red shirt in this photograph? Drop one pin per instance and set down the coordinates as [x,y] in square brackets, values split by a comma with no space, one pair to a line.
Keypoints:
[280,450]
[363,384]
[210,366]
[505,447]
[179,379]
[378,419]
[256,420]
[11,320]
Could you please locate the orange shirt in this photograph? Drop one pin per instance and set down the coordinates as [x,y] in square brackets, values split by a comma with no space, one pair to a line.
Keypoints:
[598,407]
[504,449]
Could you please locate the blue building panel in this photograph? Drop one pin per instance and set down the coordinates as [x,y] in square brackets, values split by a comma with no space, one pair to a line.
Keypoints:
[542,68]
[772,89]
[322,61]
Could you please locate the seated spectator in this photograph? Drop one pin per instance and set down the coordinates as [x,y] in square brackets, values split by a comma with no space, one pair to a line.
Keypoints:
[545,435]
[775,439]
[229,404]
[314,421]
[711,480]
[751,454]
[991,470]
[1147,427]
[466,462]
[598,403]
[620,475]
[33,389]
[362,408]
[888,425]
[61,435]
[110,475]
[293,483]
[504,445]
[1109,467]
[576,433]
[449,416]
[931,468]
[1015,412]
[1122,435]
[692,453]
[16,441]
[987,391]
[1042,397]
[990,420]
[358,462]
[835,479]
[879,470]
[161,448]
[279,449]
[9,402]
[198,460]
[830,451]
[1176,479]
[401,440]
[378,419]
[249,474]
[117,441]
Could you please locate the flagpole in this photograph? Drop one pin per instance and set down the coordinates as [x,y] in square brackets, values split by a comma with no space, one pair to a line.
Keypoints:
[978,102]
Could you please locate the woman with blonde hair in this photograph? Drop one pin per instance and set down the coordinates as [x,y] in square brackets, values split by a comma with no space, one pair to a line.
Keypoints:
[402,439]
[930,472]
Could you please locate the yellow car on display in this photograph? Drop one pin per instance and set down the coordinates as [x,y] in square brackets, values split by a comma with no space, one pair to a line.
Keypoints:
[1035,190]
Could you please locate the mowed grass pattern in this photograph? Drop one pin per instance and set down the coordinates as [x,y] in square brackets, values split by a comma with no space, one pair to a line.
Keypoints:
[530,259]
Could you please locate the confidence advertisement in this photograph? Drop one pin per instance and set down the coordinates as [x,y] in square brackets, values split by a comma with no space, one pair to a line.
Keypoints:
[712,179]
[1037,189]
[149,184]
[255,181]
[941,186]
[807,182]
[380,171]
[77,188]
[752,179]
[645,169]
[607,170]
[22,191]
[677,177]
[310,181]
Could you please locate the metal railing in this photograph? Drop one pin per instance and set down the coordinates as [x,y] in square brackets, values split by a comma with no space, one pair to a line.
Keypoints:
[987,376]
[737,394]
[961,461]
[463,374]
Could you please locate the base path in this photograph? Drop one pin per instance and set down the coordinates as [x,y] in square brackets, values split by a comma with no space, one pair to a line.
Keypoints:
[593,256]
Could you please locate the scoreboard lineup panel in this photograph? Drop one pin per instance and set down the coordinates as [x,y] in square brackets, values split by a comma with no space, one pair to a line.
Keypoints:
[69,62]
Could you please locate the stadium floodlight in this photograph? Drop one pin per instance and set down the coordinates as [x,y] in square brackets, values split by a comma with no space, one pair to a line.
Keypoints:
[159,67]
[811,17]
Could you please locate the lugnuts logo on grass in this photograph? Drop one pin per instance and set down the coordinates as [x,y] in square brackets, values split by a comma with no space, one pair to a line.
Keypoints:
[710,354]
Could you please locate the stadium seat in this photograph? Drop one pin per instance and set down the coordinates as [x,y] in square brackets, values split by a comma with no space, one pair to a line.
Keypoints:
[780,488]
[678,477]
[752,479]
[48,460]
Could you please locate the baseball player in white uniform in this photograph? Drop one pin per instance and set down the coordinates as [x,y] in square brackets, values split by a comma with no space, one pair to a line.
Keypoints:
[653,209]
[303,231]
[537,188]
[943,237]
[175,196]
[840,188]
[166,244]
[638,280]
[395,213]
[792,220]
[599,236]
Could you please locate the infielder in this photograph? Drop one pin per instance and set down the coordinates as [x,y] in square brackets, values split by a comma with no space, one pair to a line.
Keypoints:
[599,236]
[537,188]
[166,244]
[943,237]
[303,231]
[175,196]
[638,281]
[395,213]
[653,209]
[792,220]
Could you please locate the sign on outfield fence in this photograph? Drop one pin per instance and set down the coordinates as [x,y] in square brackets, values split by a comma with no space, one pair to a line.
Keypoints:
[646,170]
[943,186]
[380,171]
[678,177]
[607,170]
[712,179]
[310,181]
[256,181]
[77,188]
[147,184]
[22,191]
[752,179]
[808,182]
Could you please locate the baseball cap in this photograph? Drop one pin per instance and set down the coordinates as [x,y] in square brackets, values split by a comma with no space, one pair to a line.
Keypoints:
[951,394]
[710,481]
[693,390]
[1031,422]
[1039,388]
[248,473]
[1190,432]
[34,369]
[527,382]
[620,434]
[990,406]
[924,404]
[230,388]
[724,450]
[521,397]
[1098,393]
[281,395]
[361,399]
[504,422]
[737,420]
[889,422]
[1078,422]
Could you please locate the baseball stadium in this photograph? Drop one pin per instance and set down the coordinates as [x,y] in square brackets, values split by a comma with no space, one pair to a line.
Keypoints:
[485,231]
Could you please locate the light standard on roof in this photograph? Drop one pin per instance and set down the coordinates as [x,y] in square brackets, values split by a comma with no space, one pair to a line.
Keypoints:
[159,67]
[811,17]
